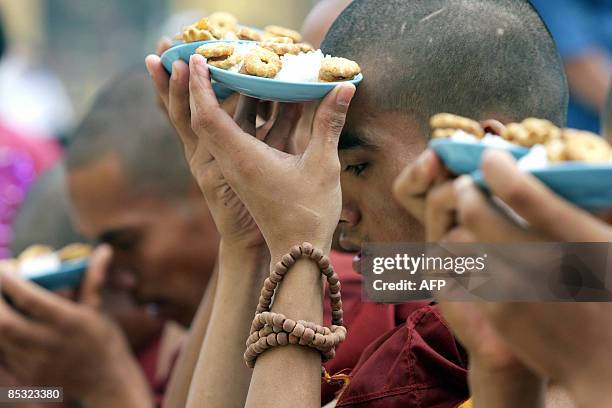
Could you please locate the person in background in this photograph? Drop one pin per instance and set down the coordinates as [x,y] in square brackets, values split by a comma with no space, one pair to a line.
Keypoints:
[582,30]
[45,219]
[23,157]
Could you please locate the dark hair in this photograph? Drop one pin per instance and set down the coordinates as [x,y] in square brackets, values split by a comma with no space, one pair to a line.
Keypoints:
[44,216]
[125,120]
[468,57]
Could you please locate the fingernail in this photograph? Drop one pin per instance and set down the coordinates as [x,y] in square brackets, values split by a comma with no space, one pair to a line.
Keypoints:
[199,62]
[497,166]
[345,94]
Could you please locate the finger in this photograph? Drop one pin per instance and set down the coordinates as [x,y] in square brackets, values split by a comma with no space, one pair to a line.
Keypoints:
[246,114]
[284,126]
[223,137]
[415,180]
[33,300]
[16,329]
[178,106]
[440,214]
[163,45]
[160,79]
[539,206]
[95,277]
[476,214]
[328,123]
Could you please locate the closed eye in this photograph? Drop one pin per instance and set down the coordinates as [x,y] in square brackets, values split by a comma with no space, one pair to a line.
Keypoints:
[356,169]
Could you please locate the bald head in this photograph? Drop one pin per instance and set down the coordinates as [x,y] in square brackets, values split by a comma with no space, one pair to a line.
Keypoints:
[126,122]
[478,58]
[320,19]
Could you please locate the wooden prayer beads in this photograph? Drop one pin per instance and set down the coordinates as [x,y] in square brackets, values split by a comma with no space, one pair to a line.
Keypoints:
[271,329]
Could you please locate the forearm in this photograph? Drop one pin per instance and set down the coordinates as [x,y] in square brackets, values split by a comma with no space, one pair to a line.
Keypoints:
[221,378]
[180,381]
[589,78]
[285,375]
[123,385]
[517,388]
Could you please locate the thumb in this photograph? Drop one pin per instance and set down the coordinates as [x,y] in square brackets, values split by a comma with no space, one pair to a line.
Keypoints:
[329,121]
[95,276]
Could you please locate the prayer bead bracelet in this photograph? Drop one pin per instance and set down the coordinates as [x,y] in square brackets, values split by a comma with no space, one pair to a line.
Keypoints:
[271,329]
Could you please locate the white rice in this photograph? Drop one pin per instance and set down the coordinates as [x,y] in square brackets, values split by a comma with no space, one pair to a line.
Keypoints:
[488,139]
[303,67]
[40,264]
[537,158]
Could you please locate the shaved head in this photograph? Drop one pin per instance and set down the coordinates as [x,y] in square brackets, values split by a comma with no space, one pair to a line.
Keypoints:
[125,121]
[477,58]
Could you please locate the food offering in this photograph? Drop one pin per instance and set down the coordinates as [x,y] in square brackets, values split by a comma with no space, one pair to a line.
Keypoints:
[575,164]
[270,64]
[49,268]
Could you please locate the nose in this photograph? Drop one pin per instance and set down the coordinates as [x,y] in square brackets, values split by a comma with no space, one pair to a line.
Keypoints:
[350,215]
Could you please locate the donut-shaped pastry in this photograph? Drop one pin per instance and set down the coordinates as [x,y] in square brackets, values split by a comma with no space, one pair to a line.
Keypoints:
[451,121]
[219,55]
[337,69]
[247,33]
[262,63]
[278,31]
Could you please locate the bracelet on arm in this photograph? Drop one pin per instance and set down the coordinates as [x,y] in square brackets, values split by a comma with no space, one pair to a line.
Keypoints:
[271,329]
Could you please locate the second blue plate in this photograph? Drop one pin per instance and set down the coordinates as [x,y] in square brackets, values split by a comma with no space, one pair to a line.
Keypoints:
[588,186]
[464,157]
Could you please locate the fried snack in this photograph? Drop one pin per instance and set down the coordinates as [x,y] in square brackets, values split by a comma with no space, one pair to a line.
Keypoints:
[74,251]
[223,21]
[305,47]
[450,121]
[34,251]
[443,133]
[281,49]
[517,134]
[277,31]
[247,33]
[202,30]
[262,63]
[585,146]
[540,130]
[555,150]
[338,69]
[219,55]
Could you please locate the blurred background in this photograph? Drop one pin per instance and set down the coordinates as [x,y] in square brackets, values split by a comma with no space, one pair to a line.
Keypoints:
[55,55]
[70,47]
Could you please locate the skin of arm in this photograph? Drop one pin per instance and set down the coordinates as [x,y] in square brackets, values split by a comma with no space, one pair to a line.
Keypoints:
[221,377]
[588,76]
[180,381]
[293,372]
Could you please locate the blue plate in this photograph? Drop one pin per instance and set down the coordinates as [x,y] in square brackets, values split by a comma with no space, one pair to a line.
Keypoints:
[182,51]
[464,157]
[68,275]
[588,186]
[274,90]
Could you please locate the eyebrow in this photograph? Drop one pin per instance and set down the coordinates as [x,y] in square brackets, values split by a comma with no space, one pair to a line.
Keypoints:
[353,140]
